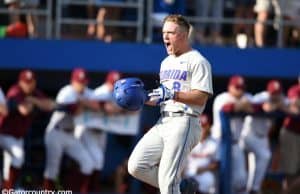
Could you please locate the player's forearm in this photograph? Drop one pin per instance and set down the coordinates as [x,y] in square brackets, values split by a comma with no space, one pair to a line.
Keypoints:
[43,104]
[47,105]
[194,97]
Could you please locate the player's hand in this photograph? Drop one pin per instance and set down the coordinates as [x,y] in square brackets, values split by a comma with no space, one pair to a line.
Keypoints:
[25,108]
[244,105]
[161,94]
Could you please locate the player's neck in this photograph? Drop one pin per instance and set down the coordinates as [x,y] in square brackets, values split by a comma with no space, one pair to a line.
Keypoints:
[183,51]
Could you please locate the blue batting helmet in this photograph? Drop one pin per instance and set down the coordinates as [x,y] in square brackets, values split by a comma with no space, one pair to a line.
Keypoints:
[129,93]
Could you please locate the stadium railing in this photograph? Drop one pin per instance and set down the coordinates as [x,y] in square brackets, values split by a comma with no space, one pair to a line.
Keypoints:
[138,24]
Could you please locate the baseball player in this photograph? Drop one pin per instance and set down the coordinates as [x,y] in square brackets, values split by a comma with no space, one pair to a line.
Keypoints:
[94,138]
[22,99]
[255,131]
[233,100]
[202,162]
[186,84]
[60,137]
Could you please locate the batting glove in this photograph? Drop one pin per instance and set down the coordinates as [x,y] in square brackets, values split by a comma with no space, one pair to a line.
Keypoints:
[161,94]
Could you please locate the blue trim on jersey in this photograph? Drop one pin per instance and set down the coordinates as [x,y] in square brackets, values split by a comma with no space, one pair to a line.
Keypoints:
[180,158]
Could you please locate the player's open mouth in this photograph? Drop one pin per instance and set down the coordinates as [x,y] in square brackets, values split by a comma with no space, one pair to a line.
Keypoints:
[167,44]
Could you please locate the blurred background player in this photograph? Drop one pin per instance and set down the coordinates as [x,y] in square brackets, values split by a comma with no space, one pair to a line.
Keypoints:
[202,162]
[235,99]
[122,127]
[94,137]
[256,129]
[22,100]
[289,141]
[60,137]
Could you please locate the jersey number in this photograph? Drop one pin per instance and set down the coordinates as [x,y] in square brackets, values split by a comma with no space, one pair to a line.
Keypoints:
[176,86]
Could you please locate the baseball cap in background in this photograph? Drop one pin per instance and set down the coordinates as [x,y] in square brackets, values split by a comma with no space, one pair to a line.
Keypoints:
[112,77]
[274,87]
[237,81]
[79,75]
[294,92]
[27,76]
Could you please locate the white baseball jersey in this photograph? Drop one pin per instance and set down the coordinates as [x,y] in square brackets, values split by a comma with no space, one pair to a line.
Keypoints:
[2,97]
[187,72]
[67,95]
[260,126]
[236,124]
[202,155]
[103,93]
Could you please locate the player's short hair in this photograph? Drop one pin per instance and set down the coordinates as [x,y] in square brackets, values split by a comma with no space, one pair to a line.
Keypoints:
[179,20]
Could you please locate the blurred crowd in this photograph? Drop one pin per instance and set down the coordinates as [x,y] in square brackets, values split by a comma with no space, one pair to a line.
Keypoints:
[82,117]
[244,23]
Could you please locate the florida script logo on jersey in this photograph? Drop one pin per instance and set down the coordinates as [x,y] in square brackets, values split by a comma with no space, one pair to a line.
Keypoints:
[174,74]
[176,77]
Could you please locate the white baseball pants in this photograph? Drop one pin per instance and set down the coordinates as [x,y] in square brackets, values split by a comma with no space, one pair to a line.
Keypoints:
[158,158]
[13,154]
[59,142]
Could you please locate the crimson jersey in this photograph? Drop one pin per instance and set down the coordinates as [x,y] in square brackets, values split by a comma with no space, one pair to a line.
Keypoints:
[14,123]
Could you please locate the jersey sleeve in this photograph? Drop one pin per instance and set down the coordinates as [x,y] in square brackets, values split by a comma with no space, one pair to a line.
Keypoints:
[102,94]
[89,94]
[66,96]
[13,95]
[260,98]
[201,77]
